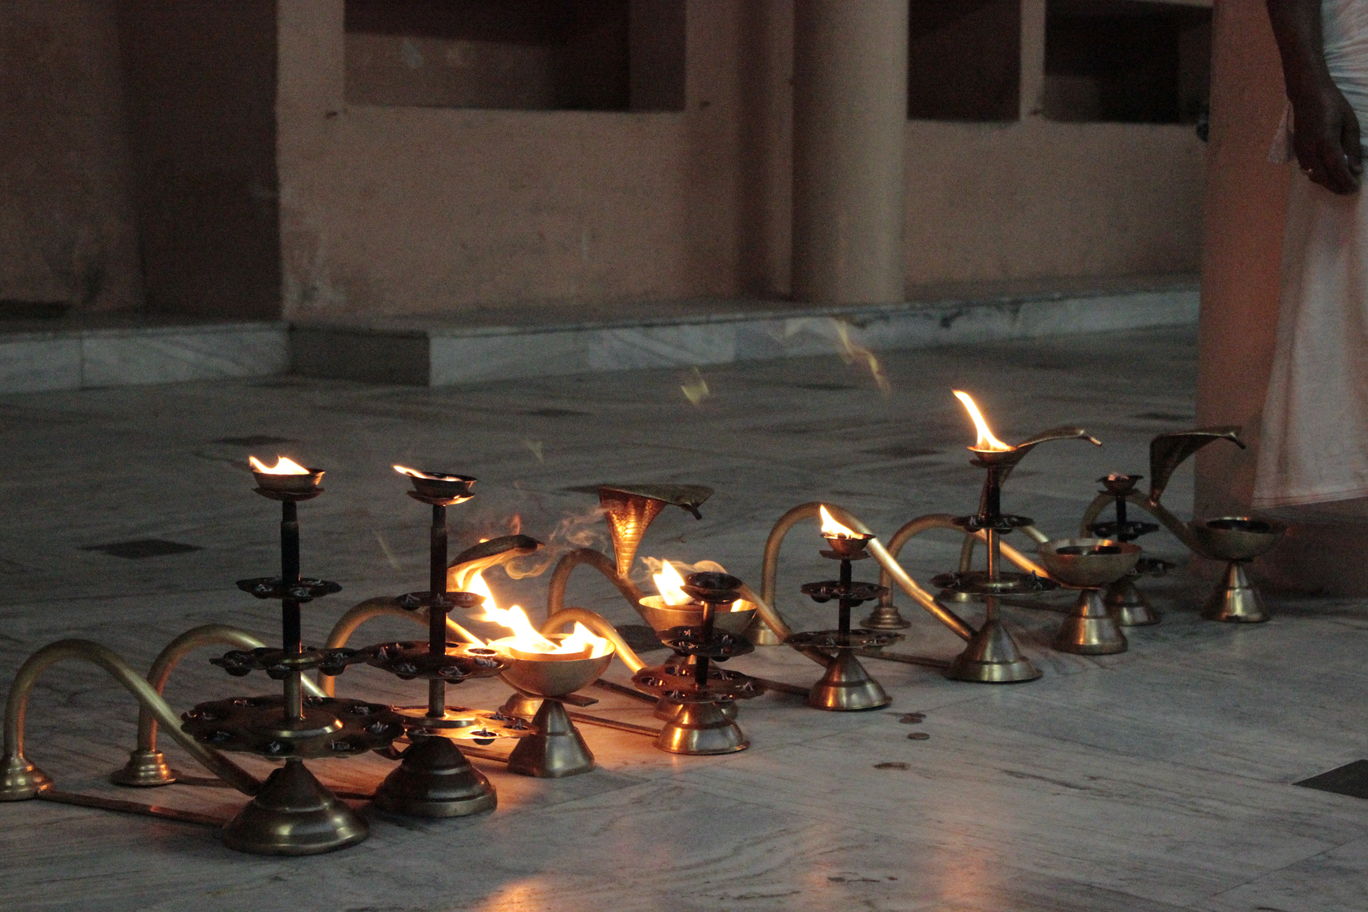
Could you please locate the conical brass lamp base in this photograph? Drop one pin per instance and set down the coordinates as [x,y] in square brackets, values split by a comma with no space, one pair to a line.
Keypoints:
[1090,630]
[435,780]
[992,657]
[701,728]
[1128,604]
[556,749]
[144,769]
[847,687]
[1235,599]
[20,779]
[885,617]
[294,814]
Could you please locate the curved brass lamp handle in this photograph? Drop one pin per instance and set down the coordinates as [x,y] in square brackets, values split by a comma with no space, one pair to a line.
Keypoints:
[587,557]
[16,709]
[769,570]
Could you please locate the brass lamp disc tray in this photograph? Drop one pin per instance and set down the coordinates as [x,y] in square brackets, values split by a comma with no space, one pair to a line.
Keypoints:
[331,727]
[458,724]
[977,582]
[858,638]
[413,659]
[676,682]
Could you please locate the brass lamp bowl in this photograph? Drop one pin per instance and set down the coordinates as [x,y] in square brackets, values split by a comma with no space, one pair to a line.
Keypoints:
[289,485]
[549,674]
[663,617]
[1235,538]
[1088,562]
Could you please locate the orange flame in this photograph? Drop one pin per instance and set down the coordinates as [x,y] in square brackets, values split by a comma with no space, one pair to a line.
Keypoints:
[986,441]
[525,637]
[833,529]
[284,466]
[670,584]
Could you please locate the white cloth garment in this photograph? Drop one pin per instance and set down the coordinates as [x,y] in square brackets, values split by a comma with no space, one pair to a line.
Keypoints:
[1314,442]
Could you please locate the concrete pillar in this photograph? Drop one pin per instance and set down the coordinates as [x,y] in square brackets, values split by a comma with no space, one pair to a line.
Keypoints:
[1246,199]
[849,129]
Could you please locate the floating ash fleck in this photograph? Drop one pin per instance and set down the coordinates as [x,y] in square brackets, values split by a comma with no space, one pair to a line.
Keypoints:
[537,448]
[853,352]
[696,388]
[390,557]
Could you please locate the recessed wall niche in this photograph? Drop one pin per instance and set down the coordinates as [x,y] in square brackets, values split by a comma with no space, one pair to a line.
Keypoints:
[595,55]
[1126,61]
[964,60]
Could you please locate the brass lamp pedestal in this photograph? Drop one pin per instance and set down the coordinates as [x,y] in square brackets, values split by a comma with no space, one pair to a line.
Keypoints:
[555,749]
[1235,599]
[144,769]
[1128,604]
[20,780]
[701,729]
[847,687]
[992,657]
[435,780]
[294,814]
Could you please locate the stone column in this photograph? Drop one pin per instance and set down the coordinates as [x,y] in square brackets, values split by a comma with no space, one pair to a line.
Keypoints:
[1246,199]
[849,128]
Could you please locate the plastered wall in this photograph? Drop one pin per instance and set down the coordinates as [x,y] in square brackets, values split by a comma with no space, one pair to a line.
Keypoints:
[206,152]
[406,209]
[68,236]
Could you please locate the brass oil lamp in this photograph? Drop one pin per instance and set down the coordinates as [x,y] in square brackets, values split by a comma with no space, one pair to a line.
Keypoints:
[292,813]
[845,686]
[992,656]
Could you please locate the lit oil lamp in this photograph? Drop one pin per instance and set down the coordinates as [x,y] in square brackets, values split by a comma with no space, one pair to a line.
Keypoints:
[845,686]
[673,607]
[672,610]
[286,480]
[435,779]
[992,655]
[292,813]
[548,668]
[703,723]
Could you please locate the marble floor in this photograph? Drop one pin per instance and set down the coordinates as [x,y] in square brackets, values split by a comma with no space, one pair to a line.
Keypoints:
[1158,780]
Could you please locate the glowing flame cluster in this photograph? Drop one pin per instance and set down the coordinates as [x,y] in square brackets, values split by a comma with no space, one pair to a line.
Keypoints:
[525,637]
[284,466]
[986,441]
[833,529]
[669,582]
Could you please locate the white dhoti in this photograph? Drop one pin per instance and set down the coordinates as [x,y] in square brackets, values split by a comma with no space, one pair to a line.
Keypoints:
[1314,442]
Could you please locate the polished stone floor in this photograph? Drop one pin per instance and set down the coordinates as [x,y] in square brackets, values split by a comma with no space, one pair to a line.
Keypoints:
[1158,780]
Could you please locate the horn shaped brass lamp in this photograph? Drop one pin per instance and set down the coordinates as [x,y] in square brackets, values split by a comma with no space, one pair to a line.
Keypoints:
[992,655]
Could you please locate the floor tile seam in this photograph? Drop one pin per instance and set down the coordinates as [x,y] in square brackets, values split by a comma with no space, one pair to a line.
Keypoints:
[1274,871]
